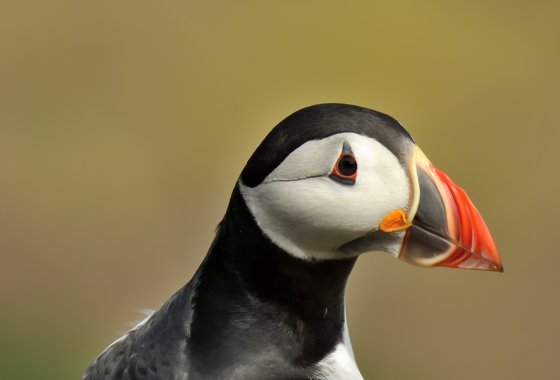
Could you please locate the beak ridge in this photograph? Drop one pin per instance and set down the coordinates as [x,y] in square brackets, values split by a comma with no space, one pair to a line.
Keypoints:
[476,248]
[447,229]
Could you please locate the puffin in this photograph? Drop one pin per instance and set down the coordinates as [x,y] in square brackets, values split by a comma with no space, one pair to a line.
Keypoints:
[330,182]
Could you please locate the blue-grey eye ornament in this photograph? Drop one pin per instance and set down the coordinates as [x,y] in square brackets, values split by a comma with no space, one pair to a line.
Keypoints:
[345,169]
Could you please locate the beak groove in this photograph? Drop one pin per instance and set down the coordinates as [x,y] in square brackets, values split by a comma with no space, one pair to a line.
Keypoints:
[447,229]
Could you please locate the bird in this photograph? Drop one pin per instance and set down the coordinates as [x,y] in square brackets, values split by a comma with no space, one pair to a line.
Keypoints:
[330,182]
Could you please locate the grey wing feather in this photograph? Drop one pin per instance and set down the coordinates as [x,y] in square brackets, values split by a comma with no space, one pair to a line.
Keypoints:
[155,349]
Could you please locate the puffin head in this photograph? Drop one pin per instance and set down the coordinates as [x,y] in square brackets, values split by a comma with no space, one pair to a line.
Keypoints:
[333,181]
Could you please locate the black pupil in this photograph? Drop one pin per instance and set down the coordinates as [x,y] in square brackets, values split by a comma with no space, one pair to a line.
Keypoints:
[347,165]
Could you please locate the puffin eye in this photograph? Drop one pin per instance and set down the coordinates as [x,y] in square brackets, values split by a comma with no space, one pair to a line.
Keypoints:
[347,165]
[345,170]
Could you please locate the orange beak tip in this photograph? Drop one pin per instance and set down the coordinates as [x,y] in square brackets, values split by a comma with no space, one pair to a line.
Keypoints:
[447,229]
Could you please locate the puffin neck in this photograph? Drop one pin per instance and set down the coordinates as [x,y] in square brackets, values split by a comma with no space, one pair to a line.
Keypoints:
[275,275]
[298,306]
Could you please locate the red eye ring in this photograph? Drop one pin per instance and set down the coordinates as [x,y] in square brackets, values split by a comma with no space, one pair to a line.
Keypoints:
[345,169]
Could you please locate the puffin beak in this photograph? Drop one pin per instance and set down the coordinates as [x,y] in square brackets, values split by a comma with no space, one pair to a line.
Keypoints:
[446,230]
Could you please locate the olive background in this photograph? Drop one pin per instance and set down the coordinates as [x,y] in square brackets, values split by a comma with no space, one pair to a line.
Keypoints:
[124,126]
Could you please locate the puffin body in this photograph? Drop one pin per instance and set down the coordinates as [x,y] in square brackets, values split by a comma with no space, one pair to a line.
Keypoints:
[330,182]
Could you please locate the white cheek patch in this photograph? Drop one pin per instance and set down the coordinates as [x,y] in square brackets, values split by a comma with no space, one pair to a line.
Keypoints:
[311,216]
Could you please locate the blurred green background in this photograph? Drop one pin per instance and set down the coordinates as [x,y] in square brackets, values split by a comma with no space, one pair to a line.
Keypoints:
[124,126]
